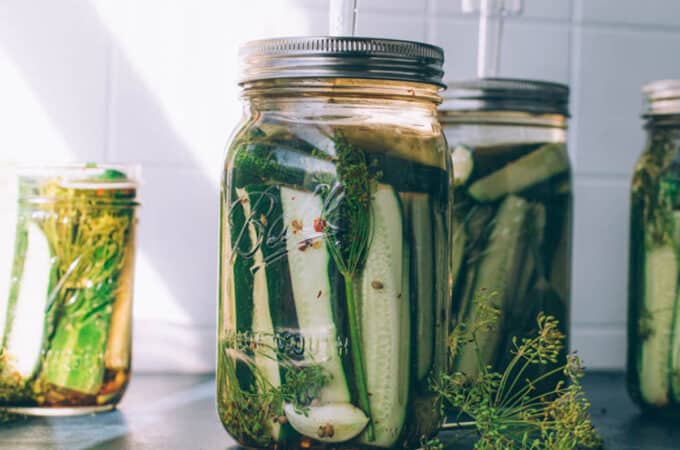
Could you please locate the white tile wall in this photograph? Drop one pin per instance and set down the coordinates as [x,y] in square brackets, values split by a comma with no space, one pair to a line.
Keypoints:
[154,81]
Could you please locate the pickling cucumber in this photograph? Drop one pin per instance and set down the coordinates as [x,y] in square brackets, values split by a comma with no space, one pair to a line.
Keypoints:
[476,224]
[310,263]
[275,164]
[423,274]
[463,164]
[458,240]
[660,292]
[495,281]
[441,292]
[120,332]
[674,369]
[240,285]
[383,326]
[25,330]
[265,164]
[535,233]
[262,327]
[8,231]
[540,165]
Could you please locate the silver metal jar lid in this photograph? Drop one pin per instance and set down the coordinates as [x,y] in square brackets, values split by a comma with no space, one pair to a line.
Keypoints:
[341,57]
[506,94]
[661,97]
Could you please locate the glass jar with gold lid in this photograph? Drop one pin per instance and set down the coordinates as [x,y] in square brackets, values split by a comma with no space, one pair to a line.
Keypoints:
[334,234]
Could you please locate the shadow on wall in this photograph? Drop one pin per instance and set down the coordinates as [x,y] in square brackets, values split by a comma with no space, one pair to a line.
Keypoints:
[64,51]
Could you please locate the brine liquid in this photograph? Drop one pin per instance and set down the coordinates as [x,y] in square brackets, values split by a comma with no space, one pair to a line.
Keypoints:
[286,338]
[511,255]
[653,374]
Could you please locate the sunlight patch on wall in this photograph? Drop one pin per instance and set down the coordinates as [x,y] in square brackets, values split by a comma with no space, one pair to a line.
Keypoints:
[185,55]
[153,299]
[28,134]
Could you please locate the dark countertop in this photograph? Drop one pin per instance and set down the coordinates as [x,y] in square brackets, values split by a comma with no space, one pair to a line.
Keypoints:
[177,412]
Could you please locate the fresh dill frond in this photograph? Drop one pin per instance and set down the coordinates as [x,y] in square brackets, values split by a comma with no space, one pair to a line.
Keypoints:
[348,234]
[347,208]
[507,410]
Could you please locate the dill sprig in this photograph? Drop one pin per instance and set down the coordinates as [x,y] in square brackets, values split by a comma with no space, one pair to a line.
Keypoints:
[249,413]
[655,195]
[506,408]
[348,235]
[347,208]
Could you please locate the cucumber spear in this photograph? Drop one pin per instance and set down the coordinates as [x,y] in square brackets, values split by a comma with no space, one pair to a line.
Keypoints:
[90,247]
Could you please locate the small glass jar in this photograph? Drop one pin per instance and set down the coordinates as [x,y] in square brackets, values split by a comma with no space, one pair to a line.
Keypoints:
[653,329]
[334,233]
[512,220]
[67,250]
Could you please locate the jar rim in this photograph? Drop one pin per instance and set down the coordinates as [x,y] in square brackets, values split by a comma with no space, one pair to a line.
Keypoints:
[507,94]
[341,57]
[83,177]
[661,98]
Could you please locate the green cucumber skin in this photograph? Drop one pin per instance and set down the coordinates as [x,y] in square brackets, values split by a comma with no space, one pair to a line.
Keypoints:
[242,282]
[240,320]
[422,251]
[20,247]
[265,354]
[279,285]
[80,368]
[405,175]
[442,288]
[661,269]
[497,275]
[458,241]
[546,162]
[475,225]
[265,203]
[674,365]
[8,237]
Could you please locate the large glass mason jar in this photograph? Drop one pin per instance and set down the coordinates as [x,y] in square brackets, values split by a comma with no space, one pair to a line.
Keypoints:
[67,251]
[512,220]
[654,309]
[334,237]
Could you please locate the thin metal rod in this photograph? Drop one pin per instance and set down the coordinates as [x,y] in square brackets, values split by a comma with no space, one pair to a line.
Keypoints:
[490,38]
[343,17]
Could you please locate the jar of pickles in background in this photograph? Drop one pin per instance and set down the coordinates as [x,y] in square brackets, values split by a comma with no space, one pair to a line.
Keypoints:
[654,310]
[334,234]
[512,220]
[67,250]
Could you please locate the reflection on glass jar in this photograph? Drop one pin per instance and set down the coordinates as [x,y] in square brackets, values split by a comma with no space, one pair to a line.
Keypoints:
[653,330]
[512,221]
[334,237]
[66,270]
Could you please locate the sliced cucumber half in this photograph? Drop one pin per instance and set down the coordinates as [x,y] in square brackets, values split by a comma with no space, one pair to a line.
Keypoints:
[309,262]
[26,321]
[382,323]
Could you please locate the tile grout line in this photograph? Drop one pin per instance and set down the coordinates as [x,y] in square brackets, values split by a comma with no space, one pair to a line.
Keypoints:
[109,99]
[110,103]
[574,83]
[430,21]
